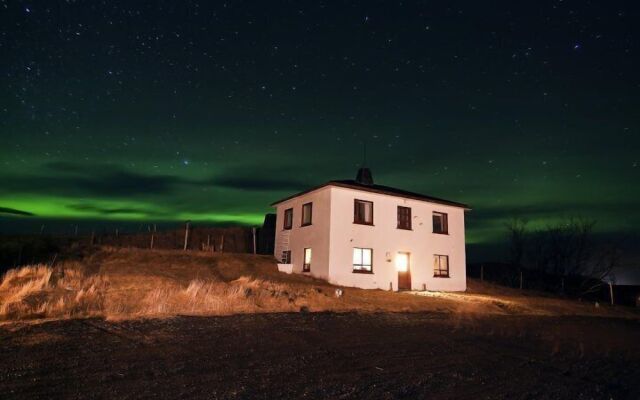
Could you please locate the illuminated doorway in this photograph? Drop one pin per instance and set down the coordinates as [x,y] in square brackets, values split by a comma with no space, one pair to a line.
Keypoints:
[404,270]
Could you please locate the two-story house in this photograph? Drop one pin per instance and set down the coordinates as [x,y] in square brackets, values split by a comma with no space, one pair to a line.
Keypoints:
[359,234]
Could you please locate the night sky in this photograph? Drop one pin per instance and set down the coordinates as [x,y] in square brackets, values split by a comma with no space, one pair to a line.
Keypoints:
[136,112]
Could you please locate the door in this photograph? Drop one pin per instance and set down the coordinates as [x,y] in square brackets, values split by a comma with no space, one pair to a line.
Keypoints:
[404,271]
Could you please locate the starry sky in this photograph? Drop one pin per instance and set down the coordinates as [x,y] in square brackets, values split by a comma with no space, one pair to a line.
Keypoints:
[129,112]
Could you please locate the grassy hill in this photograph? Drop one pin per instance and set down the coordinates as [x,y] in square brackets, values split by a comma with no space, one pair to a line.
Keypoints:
[132,283]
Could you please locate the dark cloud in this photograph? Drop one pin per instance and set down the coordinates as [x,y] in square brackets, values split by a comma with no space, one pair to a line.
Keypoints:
[119,183]
[107,210]
[544,211]
[262,178]
[100,180]
[259,184]
[111,185]
[106,181]
[13,211]
[69,167]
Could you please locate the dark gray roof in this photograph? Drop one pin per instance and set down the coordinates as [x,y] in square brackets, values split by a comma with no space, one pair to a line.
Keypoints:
[351,184]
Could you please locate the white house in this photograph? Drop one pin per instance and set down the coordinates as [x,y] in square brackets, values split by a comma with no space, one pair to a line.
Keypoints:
[359,234]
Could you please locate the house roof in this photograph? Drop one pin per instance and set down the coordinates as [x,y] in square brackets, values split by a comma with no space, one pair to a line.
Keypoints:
[352,184]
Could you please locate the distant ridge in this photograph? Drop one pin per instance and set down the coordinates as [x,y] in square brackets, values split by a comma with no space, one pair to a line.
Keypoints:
[13,211]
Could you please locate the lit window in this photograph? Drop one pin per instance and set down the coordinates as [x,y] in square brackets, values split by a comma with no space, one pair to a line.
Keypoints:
[286,257]
[404,217]
[288,218]
[363,212]
[440,223]
[306,267]
[362,260]
[306,213]
[440,266]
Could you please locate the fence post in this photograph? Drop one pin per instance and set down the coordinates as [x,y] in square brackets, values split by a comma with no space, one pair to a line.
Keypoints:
[186,235]
[253,230]
[93,236]
[611,292]
[222,244]
[520,279]
[481,272]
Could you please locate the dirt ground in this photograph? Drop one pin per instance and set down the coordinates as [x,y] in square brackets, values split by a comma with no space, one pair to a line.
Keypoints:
[170,324]
[324,355]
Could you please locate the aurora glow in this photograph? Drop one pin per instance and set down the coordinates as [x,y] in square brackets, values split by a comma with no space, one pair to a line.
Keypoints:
[210,111]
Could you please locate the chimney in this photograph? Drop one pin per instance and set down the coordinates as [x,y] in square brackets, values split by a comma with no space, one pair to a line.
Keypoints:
[364,176]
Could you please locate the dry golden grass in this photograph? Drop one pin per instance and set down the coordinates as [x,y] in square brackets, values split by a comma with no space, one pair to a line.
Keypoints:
[129,283]
[243,295]
[134,283]
[30,292]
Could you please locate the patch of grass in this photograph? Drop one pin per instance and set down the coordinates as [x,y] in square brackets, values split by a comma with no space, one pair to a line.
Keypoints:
[31,292]
[134,284]
[131,283]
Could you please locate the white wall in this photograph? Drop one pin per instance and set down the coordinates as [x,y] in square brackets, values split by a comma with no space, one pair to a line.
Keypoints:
[314,236]
[384,237]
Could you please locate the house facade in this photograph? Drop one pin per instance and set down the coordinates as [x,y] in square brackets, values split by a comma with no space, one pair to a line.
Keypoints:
[359,234]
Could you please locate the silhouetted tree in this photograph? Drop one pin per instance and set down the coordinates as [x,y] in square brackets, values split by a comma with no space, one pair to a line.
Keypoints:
[569,246]
[565,248]
[517,234]
[605,258]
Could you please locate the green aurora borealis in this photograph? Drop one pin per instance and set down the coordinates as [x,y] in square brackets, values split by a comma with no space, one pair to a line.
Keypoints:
[211,111]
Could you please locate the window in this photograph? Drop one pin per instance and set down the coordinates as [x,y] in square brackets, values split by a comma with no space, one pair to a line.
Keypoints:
[440,223]
[306,267]
[286,257]
[306,214]
[440,266]
[362,260]
[404,217]
[288,218]
[363,212]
